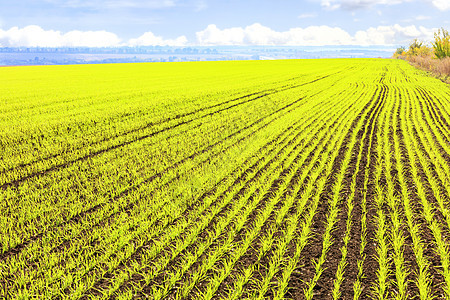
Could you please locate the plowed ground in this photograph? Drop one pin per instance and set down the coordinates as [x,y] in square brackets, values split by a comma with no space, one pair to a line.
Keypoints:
[300,179]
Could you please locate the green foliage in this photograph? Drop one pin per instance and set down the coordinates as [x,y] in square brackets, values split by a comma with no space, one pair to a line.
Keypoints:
[418,48]
[441,44]
[400,50]
[414,47]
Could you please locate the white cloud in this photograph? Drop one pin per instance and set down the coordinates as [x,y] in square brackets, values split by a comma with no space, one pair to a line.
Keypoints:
[307,16]
[423,18]
[215,36]
[330,5]
[363,4]
[149,39]
[357,4]
[35,36]
[258,34]
[395,34]
[113,4]
[441,4]
[417,18]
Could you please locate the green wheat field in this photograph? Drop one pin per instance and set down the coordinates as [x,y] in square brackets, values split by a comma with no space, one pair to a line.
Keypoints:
[288,179]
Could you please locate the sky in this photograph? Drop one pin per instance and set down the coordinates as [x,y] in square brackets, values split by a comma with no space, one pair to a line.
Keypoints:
[110,23]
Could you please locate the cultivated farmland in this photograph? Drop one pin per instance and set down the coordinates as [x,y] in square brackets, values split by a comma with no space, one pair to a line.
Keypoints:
[324,179]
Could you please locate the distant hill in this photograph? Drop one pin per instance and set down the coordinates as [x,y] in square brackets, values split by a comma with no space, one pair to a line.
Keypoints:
[63,56]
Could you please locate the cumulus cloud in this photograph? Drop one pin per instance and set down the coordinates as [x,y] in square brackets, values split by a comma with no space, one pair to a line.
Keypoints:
[149,39]
[395,34]
[258,34]
[215,36]
[35,36]
[441,4]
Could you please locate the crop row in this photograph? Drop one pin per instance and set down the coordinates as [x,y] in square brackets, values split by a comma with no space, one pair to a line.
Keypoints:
[285,179]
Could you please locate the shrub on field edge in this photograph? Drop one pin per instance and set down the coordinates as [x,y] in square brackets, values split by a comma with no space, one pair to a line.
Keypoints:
[441,43]
[435,59]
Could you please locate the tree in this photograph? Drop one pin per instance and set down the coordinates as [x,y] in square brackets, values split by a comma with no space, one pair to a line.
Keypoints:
[414,47]
[441,43]
[400,50]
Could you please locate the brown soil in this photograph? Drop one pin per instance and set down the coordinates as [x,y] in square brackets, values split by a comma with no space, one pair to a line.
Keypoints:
[306,270]
[289,140]
[222,212]
[425,233]
[78,217]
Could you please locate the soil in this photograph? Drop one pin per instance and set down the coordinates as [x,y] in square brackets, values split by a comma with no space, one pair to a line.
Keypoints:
[292,145]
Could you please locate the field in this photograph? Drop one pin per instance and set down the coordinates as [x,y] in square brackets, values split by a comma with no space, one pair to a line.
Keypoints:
[324,179]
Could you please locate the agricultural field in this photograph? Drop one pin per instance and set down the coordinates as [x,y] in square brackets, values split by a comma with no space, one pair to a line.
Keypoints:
[295,179]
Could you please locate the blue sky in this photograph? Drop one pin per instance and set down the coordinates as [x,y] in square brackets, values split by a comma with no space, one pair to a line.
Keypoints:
[219,22]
